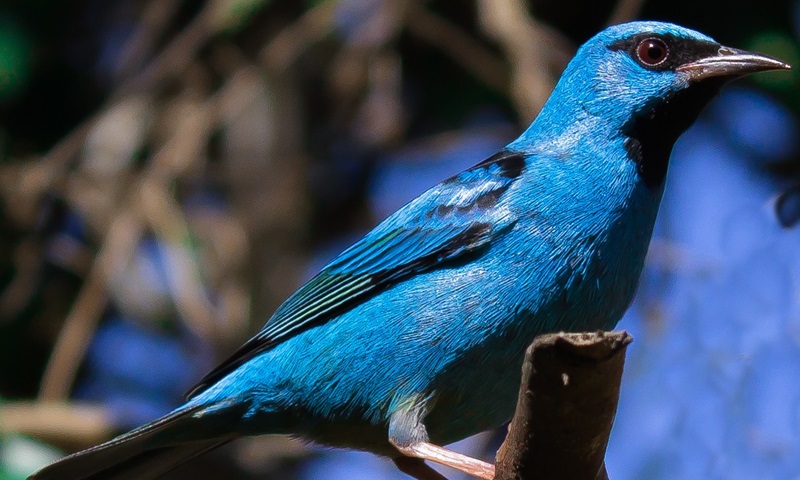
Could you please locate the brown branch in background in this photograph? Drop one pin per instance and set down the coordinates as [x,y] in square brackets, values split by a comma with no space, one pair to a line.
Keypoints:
[166,219]
[25,184]
[625,11]
[293,40]
[119,244]
[173,58]
[536,53]
[366,77]
[71,425]
[463,49]
[156,17]
[566,406]
[183,150]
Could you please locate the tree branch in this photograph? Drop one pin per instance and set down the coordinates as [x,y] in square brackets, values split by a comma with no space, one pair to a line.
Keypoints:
[567,401]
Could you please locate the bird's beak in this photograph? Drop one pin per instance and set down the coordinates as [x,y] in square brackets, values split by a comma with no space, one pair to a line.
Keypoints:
[730,62]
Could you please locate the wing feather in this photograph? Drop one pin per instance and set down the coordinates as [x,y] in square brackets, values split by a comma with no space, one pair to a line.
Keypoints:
[460,216]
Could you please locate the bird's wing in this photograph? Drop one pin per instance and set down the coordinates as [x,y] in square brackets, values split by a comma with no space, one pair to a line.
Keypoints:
[459,217]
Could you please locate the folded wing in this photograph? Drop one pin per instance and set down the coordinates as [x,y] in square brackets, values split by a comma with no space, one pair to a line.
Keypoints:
[458,218]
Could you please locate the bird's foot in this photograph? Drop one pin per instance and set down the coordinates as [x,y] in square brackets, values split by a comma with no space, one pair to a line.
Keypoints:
[442,456]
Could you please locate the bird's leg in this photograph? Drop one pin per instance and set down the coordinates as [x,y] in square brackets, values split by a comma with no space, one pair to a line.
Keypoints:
[417,468]
[434,453]
[408,435]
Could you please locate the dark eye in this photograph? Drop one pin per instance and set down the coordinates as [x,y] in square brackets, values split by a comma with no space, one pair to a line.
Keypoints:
[652,51]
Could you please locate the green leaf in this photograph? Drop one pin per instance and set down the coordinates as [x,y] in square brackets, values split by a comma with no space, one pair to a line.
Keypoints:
[232,15]
[15,59]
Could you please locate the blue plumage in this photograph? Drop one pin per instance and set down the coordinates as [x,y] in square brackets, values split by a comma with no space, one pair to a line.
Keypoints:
[415,335]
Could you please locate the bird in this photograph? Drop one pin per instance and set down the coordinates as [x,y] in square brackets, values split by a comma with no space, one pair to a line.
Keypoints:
[414,337]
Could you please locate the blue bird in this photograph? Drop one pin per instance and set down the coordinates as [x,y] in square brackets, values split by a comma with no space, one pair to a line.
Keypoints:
[414,337]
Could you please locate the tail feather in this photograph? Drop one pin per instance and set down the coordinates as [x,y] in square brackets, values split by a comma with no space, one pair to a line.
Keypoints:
[151,463]
[143,453]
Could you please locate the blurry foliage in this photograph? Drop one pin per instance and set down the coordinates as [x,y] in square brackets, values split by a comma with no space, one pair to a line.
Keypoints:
[14,57]
[171,170]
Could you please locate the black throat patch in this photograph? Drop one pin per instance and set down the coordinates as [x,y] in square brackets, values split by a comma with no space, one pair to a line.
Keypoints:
[652,134]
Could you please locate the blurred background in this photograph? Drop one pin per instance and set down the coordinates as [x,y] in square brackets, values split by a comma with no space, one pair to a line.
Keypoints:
[171,170]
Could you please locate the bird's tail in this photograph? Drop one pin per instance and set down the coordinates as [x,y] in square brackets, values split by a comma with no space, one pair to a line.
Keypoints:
[143,453]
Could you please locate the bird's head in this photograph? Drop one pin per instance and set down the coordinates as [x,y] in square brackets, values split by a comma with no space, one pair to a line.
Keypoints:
[637,70]
[648,82]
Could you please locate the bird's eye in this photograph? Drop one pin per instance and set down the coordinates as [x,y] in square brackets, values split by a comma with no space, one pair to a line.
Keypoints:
[652,52]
